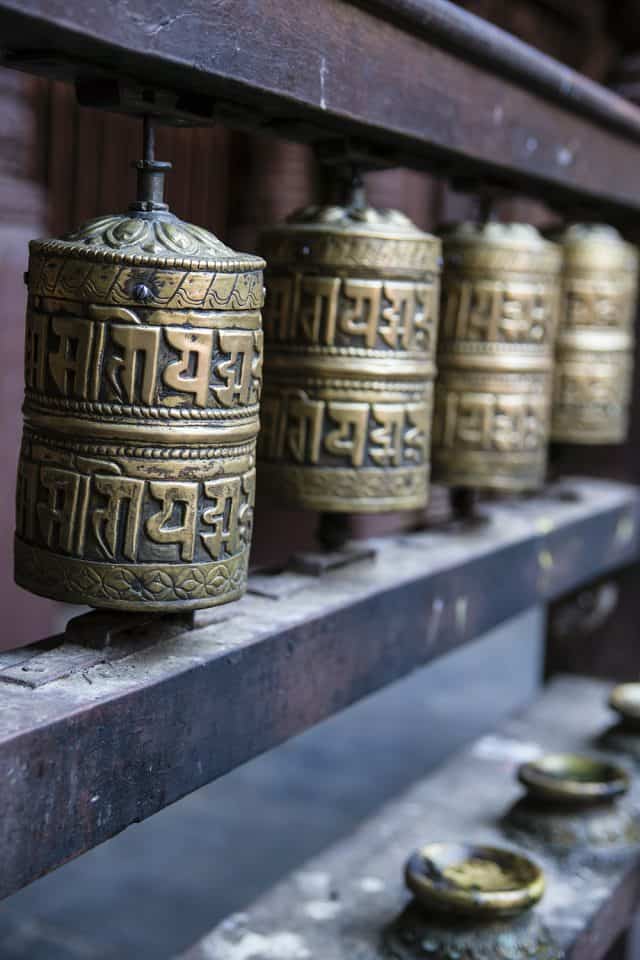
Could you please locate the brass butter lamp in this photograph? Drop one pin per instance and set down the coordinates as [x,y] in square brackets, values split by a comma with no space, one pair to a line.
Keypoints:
[574,804]
[469,880]
[471,901]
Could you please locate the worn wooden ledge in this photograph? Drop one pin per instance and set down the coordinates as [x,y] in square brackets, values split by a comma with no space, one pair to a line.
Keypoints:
[336,906]
[96,734]
[419,81]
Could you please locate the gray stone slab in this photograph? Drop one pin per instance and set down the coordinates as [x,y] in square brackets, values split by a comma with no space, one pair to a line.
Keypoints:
[336,906]
[153,890]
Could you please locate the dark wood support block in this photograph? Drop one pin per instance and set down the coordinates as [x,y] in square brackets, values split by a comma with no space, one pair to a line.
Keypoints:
[94,737]
[336,906]
[419,82]
[620,949]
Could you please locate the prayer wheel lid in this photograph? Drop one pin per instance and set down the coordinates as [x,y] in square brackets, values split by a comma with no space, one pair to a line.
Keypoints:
[518,245]
[597,245]
[352,234]
[579,232]
[354,218]
[157,240]
[149,235]
[519,235]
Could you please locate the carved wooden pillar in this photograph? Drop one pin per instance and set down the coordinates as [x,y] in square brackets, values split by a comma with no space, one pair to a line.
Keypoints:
[22,216]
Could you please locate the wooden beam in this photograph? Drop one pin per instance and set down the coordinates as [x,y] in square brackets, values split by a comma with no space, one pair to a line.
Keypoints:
[99,732]
[419,82]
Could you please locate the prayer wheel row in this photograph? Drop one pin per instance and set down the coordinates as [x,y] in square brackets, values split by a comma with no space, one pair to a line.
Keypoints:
[533,342]
[143,375]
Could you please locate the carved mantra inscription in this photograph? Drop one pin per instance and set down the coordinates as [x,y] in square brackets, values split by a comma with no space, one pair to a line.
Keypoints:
[96,512]
[593,378]
[500,423]
[303,430]
[492,401]
[136,481]
[348,388]
[330,311]
[494,311]
[111,356]
[586,303]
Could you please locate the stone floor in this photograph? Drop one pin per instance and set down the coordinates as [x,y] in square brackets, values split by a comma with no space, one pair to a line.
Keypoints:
[159,886]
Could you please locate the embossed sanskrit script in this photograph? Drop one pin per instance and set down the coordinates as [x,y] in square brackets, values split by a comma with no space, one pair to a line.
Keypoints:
[111,356]
[136,481]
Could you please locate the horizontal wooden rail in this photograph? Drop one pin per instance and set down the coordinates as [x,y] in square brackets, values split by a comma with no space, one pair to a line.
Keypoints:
[98,732]
[419,82]
[337,906]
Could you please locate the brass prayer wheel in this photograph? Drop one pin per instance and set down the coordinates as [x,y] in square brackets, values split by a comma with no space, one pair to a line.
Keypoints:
[594,360]
[495,356]
[143,371]
[350,328]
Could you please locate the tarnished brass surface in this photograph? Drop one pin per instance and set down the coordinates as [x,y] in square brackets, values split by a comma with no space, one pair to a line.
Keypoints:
[596,831]
[143,372]
[622,739]
[572,778]
[569,809]
[495,355]
[467,880]
[350,324]
[625,700]
[420,935]
[594,359]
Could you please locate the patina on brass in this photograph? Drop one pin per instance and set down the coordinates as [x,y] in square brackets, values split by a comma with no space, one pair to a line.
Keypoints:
[594,360]
[495,354]
[570,808]
[143,372]
[350,324]
[418,934]
[625,700]
[469,880]
[571,778]
[471,902]
[624,737]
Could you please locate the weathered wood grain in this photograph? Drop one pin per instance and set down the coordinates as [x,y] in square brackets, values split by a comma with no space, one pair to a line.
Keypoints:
[419,81]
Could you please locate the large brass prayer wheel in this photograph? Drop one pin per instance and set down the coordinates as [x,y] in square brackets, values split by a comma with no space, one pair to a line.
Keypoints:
[350,328]
[143,372]
[495,355]
[594,360]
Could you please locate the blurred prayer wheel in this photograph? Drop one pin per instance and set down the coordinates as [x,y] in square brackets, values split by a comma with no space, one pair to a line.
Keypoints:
[143,365]
[351,325]
[594,358]
[495,356]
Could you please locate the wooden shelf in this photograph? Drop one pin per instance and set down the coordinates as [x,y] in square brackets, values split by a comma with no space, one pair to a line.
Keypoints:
[92,740]
[420,82]
[337,905]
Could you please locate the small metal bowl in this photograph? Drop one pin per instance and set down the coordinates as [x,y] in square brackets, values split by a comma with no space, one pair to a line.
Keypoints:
[473,881]
[574,779]
[625,700]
